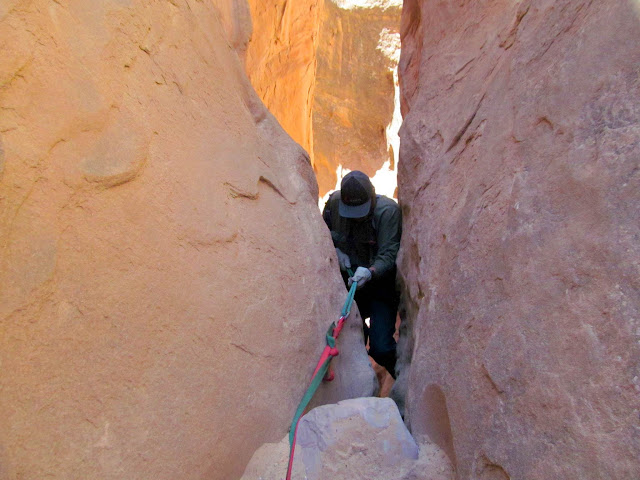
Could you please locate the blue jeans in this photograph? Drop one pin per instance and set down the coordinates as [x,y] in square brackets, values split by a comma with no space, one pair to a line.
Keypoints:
[378,301]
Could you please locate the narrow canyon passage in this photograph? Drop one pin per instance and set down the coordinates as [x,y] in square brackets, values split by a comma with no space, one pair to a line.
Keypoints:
[328,71]
[166,280]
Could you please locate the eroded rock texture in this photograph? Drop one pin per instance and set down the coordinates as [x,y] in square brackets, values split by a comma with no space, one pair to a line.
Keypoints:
[165,278]
[520,181]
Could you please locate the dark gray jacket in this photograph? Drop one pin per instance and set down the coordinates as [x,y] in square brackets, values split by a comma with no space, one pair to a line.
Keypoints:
[373,242]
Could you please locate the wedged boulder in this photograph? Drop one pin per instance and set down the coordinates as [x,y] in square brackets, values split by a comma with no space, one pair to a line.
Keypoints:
[520,181]
[166,280]
[361,438]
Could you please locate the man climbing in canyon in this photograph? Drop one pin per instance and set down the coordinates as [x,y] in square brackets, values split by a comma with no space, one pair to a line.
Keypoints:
[366,230]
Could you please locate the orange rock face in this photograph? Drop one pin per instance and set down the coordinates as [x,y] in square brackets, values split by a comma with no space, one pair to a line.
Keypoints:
[353,103]
[165,277]
[281,61]
[314,55]
[520,180]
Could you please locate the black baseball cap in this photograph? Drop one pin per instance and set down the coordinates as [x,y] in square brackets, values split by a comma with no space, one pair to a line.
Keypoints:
[356,193]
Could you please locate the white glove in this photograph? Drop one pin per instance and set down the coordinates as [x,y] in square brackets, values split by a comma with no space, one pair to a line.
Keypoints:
[362,276]
[343,260]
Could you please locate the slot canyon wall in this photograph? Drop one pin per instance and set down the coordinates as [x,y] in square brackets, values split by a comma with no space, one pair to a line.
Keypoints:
[281,61]
[330,58]
[520,185]
[166,280]
[354,95]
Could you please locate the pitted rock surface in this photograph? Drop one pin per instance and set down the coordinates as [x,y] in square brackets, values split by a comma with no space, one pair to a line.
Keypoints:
[520,182]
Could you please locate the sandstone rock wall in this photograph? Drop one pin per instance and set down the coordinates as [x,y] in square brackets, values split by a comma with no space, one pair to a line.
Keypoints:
[520,182]
[330,58]
[354,95]
[165,278]
[281,61]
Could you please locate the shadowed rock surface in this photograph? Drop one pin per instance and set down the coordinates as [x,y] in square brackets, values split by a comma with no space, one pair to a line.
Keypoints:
[166,280]
[520,182]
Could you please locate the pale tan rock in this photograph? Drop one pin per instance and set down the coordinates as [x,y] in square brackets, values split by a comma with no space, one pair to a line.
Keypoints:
[270,462]
[119,154]
[519,177]
[236,21]
[362,438]
[166,280]
[1,157]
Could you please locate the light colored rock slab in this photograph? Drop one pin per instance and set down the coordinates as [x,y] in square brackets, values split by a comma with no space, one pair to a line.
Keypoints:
[358,439]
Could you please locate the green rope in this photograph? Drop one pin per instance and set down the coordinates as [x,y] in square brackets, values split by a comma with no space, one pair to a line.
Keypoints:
[352,292]
[347,304]
[317,379]
[315,383]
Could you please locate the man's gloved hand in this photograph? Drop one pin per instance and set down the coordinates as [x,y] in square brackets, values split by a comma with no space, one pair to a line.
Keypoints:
[362,276]
[343,260]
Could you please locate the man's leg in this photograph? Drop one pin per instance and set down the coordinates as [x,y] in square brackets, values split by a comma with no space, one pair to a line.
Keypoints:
[363,300]
[382,345]
[378,302]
